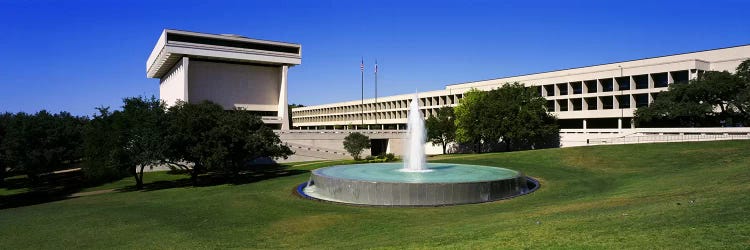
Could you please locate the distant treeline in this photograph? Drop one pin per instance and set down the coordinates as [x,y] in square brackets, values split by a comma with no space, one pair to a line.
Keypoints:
[196,138]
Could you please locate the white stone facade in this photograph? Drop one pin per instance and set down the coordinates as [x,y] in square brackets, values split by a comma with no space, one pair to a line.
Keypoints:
[601,96]
[233,71]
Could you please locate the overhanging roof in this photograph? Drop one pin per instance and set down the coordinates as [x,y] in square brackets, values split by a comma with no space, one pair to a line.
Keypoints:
[175,44]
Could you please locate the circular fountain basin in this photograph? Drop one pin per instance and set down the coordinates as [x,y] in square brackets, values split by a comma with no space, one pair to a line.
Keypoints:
[385,184]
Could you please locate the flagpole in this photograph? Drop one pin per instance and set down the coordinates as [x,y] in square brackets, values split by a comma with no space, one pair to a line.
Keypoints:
[362,107]
[376,92]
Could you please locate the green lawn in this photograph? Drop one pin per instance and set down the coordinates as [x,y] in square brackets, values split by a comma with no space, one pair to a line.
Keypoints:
[676,195]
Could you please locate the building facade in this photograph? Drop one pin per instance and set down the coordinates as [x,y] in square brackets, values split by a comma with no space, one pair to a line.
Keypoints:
[594,97]
[233,71]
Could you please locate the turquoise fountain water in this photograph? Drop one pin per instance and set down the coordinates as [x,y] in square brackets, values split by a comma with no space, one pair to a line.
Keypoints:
[415,182]
[440,173]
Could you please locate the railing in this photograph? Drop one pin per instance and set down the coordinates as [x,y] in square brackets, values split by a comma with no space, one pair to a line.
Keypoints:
[654,138]
[340,131]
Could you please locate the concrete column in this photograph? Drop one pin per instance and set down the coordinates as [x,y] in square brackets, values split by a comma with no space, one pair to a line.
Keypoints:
[584,87]
[670,80]
[616,101]
[650,82]
[584,104]
[619,123]
[584,124]
[186,67]
[283,99]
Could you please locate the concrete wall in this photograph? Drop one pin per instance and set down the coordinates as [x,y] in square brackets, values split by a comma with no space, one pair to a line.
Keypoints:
[235,85]
[321,142]
[334,139]
[592,137]
[173,86]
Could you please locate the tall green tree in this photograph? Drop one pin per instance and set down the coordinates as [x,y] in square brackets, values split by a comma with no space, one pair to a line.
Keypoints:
[4,119]
[441,128]
[706,101]
[43,142]
[204,137]
[354,143]
[144,119]
[104,152]
[129,140]
[517,116]
[512,114]
[467,119]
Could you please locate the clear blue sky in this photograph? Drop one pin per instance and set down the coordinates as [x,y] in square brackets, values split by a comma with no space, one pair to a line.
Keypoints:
[77,55]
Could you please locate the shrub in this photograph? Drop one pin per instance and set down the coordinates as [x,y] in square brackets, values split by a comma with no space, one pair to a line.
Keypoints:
[390,157]
[354,143]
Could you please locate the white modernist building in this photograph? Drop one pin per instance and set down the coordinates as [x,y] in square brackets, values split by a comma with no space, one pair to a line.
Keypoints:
[593,97]
[233,71]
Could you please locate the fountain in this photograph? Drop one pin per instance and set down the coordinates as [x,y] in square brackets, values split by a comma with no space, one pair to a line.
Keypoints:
[415,182]
[414,157]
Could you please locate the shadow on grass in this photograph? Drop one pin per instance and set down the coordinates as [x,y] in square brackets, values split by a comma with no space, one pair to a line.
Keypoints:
[61,186]
[52,187]
[258,173]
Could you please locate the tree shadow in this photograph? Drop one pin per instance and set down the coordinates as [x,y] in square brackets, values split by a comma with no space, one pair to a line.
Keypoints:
[256,174]
[49,188]
[56,187]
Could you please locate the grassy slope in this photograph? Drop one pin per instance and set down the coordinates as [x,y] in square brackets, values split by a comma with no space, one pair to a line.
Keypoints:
[627,196]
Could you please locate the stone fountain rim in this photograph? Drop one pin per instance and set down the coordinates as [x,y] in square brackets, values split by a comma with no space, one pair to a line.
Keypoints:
[299,191]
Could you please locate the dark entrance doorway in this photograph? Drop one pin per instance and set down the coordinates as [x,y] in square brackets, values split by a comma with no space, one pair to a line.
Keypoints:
[378,146]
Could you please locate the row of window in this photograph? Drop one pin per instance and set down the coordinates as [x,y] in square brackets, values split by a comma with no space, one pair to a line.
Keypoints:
[562,105]
[399,114]
[400,104]
[645,81]
[601,102]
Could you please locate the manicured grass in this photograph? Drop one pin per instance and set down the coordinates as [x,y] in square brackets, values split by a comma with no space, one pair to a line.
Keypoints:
[677,195]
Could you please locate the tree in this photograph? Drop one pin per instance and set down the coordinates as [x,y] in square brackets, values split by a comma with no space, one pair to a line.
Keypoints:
[145,123]
[4,119]
[441,129]
[204,137]
[710,100]
[104,153]
[129,140]
[354,143]
[43,142]
[517,116]
[467,119]
[243,137]
[512,114]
